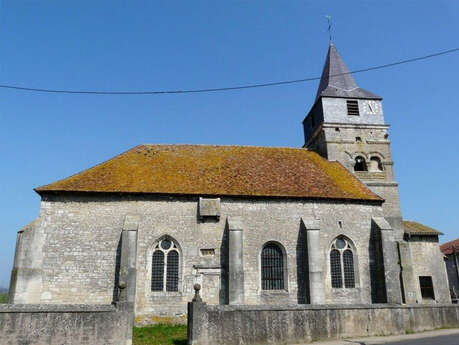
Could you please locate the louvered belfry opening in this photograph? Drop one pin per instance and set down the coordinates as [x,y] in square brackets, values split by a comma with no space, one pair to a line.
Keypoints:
[165,266]
[353,108]
[272,268]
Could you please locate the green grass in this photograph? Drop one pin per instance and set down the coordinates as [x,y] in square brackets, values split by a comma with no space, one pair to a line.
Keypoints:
[3,298]
[162,334]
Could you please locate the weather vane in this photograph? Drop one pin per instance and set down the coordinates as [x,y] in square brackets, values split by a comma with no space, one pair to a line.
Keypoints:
[329,27]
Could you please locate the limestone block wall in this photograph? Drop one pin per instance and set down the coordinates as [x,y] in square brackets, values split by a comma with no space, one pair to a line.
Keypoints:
[81,249]
[335,110]
[262,221]
[428,261]
[344,142]
[208,325]
[65,324]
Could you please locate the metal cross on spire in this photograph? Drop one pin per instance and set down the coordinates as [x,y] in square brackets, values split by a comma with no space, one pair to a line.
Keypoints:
[329,28]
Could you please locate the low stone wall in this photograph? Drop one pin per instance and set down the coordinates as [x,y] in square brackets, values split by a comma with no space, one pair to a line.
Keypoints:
[228,325]
[66,324]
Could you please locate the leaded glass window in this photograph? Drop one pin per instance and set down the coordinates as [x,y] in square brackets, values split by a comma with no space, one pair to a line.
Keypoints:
[157,271]
[335,269]
[172,271]
[272,267]
[165,266]
[342,264]
[348,263]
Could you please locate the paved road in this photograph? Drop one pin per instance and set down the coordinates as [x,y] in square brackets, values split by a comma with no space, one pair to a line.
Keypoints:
[452,339]
[438,337]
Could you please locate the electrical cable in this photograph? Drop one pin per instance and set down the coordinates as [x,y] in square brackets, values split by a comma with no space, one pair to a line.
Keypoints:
[230,88]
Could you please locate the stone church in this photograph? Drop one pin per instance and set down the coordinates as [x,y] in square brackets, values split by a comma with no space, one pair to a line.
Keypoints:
[319,224]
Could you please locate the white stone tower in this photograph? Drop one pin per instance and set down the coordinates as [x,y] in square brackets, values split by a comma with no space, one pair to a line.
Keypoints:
[346,124]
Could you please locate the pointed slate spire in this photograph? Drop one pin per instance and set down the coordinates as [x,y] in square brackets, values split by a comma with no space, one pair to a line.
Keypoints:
[336,81]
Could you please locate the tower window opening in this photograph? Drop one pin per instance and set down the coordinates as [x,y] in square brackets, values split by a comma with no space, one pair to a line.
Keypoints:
[360,164]
[353,108]
[375,164]
[427,290]
[358,139]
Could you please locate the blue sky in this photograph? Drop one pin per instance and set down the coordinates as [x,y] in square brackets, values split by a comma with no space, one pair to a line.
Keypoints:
[138,45]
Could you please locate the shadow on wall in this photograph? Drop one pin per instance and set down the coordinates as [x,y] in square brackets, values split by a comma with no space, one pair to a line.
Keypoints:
[302,266]
[224,255]
[115,297]
[378,281]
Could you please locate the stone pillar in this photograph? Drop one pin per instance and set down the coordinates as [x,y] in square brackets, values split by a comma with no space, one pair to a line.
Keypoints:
[391,261]
[128,268]
[13,280]
[235,261]
[128,272]
[408,277]
[197,320]
[26,276]
[315,261]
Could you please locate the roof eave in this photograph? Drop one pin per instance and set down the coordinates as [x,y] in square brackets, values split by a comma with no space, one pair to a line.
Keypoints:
[377,200]
[411,233]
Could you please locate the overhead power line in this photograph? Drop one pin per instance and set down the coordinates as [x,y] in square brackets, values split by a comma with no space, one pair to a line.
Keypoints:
[229,88]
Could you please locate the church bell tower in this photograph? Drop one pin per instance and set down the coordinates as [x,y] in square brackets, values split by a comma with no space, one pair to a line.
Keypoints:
[346,124]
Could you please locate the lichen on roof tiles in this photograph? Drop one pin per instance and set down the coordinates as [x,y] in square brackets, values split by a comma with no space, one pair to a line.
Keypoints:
[218,170]
[450,247]
[415,228]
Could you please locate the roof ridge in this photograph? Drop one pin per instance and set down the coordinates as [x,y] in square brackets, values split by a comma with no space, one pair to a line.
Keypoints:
[223,145]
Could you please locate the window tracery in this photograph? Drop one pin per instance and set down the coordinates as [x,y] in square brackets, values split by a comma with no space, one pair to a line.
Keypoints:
[165,266]
[342,264]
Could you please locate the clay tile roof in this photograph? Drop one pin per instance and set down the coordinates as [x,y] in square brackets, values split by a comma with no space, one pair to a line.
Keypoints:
[415,228]
[447,248]
[218,170]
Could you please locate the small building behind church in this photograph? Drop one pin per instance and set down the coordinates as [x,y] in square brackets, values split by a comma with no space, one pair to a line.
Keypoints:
[450,251]
[253,225]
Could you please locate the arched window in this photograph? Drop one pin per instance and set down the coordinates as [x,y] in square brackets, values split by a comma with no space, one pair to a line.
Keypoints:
[272,267]
[375,164]
[342,264]
[360,164]
[335,269]
[165,264]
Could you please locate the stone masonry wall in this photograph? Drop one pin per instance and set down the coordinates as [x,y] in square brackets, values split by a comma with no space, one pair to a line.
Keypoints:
[428,261]
[83,232]
[64,324]
[236,325]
